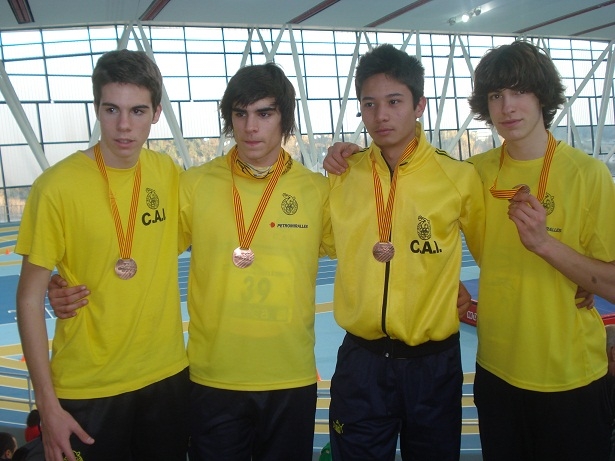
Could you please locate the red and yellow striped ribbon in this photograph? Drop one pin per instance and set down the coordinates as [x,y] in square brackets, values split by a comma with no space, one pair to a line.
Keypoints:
[385,216]
[544,173]
[245,238]
[124,241]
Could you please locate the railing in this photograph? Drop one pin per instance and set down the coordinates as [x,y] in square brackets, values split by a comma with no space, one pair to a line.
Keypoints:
[17,383]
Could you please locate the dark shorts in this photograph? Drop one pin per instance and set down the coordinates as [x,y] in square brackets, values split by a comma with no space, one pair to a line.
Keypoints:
[260,426]
[517,424]
[143,425]
[375,398]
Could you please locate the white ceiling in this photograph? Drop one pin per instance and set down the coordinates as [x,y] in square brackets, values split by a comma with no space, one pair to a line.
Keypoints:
[593,19]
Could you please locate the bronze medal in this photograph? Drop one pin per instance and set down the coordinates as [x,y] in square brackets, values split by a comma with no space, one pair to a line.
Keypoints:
[242,257]
[383,251]
[522,189]
[125,268]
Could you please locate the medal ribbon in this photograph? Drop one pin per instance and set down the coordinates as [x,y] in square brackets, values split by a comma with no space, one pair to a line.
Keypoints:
[124,242]
[385,216]
[544,173]
[245,238]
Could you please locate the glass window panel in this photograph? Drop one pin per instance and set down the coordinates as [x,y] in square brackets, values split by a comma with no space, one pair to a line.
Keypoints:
[21,37]
[10,133]
[449,115]
[320,116]
[170,46]
[102,46]
[440,65]
[167,32]
[558,44]
[564,67]
[324,36]
[581,68]
[200,119]
[64,122]
[233,63]
[203,88]
[463,87]
[569,85]
[60,48]
[438,39]
[441,51]
[345,37]
[177,88]
[345,49]
[16,201]
[430,90]
[235,47]
[72,65]
[322,87]
[31,66]
[460,67]
[581,54]
[108,33]
[70,88]
[65,35]
[589,89]
[203,33]
[320,65]
[439,85]
[22,51]
[57,152]
[287,63]
[161,130]
[206,65]
[20,166]
[318,48]
[172,64]
[30,88]
[580,112]
[560,54]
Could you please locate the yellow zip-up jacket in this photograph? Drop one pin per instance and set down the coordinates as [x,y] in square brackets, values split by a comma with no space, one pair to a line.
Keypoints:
[413,297]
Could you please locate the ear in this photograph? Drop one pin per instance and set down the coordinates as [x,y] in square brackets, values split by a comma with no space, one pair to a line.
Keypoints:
[157,113]
[420,107]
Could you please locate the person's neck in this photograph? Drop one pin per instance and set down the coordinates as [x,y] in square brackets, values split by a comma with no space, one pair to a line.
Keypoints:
[528,148]
[391,157]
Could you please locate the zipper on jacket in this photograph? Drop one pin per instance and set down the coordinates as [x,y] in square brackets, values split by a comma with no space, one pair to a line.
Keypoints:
[387,269]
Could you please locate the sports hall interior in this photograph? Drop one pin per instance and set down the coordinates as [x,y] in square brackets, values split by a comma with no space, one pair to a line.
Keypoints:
[48,51]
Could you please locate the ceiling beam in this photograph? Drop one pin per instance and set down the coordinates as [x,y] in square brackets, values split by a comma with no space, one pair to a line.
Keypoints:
[153,9]
[397,13]
[313,11]
[21,10]
[566,16]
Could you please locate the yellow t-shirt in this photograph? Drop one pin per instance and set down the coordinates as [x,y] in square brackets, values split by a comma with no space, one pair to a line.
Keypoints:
[130,334]
[530,333]
[436,198]
[252,329]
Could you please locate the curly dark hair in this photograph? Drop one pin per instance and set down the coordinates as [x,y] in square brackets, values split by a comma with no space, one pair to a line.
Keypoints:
[253,83]
[519,66]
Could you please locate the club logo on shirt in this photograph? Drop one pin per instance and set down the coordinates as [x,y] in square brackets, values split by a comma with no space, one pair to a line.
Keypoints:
[77,455]
[153,202]
[549,203]
[338,427]
[289,204]
[423,230]
[152,199]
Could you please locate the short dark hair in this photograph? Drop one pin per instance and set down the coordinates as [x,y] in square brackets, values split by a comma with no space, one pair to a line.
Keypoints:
[519,66]
[253,83]
[7,442]
[126,66]
[33,419]
[388,60]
